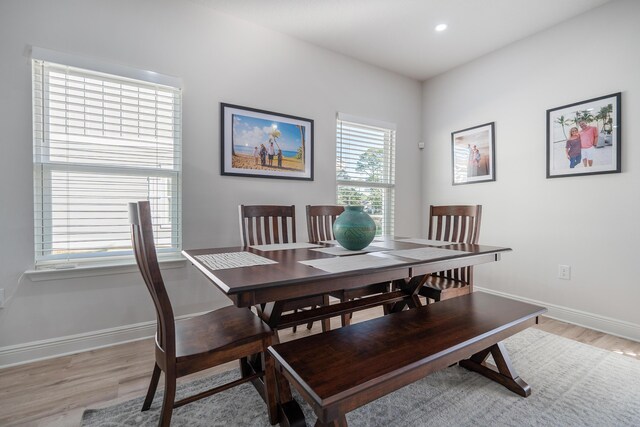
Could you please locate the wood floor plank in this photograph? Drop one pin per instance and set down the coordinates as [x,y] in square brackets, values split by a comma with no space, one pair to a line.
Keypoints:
[55,392]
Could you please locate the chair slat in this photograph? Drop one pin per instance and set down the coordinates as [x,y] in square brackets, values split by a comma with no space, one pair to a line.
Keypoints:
[455,232]
[268,240]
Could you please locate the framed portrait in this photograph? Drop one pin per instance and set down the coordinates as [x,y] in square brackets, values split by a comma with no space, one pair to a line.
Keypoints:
[264,144]
[473,154]
[583,138]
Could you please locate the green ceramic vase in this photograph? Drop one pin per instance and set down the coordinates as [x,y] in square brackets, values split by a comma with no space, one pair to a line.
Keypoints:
[354,229]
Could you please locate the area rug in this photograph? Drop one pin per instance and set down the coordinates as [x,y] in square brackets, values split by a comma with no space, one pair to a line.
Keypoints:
[573,384]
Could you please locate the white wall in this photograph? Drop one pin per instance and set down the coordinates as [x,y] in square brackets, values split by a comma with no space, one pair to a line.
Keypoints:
[220,59]
[589,222]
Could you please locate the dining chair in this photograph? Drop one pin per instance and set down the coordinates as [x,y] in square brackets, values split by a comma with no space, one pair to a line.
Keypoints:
[186,346]
[273,224]
[320,219]
[459,224]
[267,224]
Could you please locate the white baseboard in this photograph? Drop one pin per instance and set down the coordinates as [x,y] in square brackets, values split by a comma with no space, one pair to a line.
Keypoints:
[56,347]
[71,344]
[596,322]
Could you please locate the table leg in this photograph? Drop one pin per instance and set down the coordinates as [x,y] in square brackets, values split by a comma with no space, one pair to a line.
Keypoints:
[411,286]
[271,313]
[265,385]
[506,373]
[289,412]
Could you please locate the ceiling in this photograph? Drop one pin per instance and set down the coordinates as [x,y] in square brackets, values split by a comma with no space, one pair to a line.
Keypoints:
[399,35]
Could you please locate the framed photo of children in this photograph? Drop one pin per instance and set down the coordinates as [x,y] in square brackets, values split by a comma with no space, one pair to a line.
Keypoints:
[264,144]
[583,138]
[473,154]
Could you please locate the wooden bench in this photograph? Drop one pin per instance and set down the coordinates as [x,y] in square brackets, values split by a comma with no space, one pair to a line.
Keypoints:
[343,369]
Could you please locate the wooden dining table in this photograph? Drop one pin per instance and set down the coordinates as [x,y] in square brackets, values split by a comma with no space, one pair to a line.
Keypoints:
[297,271]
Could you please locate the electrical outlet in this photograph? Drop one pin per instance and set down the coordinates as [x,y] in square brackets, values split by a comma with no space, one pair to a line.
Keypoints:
[1,298]
[564,272]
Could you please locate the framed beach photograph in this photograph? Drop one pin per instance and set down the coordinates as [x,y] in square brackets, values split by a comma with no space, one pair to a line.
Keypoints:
[265,144]
[473,154]
[583,138]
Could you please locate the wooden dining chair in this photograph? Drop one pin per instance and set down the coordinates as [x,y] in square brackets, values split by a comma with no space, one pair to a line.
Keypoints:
[460,224]
[320,219]
[267,224]
[273,224]
[191,345]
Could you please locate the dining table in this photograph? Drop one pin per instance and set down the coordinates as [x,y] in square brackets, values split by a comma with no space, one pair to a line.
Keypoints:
[266,277]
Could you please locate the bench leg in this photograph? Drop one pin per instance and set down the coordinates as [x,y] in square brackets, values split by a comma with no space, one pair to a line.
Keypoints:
[506,374]
[291,415]
[289,412]
[340,422]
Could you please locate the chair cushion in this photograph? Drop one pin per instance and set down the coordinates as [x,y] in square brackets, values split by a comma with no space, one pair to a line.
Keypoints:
[217,330]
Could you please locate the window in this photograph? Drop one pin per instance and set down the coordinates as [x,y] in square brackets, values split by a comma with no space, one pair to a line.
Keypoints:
[365,168]
[101,141]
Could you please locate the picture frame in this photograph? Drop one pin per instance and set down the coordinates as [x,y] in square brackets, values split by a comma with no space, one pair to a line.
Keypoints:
[584,138]
[263,144]
[473,154]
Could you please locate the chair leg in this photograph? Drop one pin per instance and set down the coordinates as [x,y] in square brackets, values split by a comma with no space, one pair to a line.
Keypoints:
[326,323]
[310,324]
[155,377]
[169,398]
[346,318]
[295,327]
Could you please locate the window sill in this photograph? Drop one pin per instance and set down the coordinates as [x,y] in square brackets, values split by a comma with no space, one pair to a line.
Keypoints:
[103,269]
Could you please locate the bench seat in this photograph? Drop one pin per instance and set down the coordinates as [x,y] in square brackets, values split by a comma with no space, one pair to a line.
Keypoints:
[343,369]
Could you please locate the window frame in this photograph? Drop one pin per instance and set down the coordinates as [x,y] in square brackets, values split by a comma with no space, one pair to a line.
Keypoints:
[89,264]
[389,156]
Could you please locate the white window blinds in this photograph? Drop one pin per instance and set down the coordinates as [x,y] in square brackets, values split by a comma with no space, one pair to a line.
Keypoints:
[365,168]
[101,141]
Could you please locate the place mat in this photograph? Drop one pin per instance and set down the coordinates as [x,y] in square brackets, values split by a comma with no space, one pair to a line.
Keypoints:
[350,263]
[424,254]
[426,242]
[385,244]
[284,246]
[232,260]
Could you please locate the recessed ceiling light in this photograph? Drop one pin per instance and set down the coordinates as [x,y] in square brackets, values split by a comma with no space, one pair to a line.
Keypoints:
[441,27]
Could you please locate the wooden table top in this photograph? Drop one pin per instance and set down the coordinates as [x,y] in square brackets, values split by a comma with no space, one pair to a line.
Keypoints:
[288,278]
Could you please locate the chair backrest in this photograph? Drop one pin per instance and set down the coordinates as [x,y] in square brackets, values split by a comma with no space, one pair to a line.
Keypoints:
[459,224]
[145,252]
[267,224]
[320,221]
[455,223]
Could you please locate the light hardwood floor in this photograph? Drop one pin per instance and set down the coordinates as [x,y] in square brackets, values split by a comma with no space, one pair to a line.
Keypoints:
[55,392]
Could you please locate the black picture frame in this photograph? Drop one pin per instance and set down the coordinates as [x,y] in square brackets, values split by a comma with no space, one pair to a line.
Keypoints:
[473,155]
[287,141]
[603,155]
